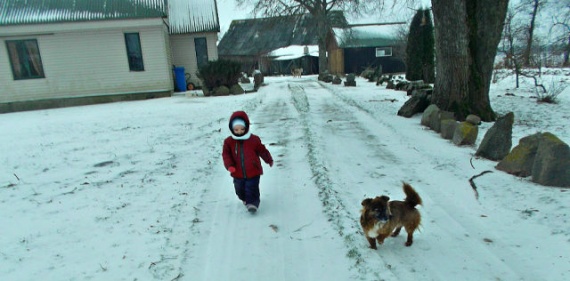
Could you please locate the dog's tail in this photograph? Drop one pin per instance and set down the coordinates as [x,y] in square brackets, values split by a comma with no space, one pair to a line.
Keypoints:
[412,197]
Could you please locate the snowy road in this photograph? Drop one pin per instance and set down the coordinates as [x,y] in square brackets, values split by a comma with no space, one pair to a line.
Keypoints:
[146,196]
[332,151]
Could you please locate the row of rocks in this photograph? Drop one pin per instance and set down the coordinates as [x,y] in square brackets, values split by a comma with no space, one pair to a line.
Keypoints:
[336,80]
[542,156]
[236,89]
[443,122]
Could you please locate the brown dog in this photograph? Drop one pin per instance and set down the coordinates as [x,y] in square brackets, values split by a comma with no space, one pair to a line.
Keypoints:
[297,72]
[380,217]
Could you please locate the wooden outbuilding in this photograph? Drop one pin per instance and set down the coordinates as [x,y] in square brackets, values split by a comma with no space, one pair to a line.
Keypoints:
[350,48]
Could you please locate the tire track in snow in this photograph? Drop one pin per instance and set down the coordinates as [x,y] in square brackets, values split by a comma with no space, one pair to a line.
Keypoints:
[335,123]
[184,215]
[331,124]
[283,226]
[451,223]
[344,221]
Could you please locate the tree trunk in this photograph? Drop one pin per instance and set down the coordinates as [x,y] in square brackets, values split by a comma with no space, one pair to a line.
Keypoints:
[451,52]
[323,28]
[467,34]
[323,60]
[566,53]
[528,49]
[486,18]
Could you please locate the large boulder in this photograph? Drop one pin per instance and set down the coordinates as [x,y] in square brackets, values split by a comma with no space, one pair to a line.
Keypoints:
[551,165]
[401,85]
[236,90]
[325,77]
[473,119]
[426,116]
[447,128]
[417,103]
[465,134]
[417,85]
[336,80]
[497,142]
[520,160]
[350,80]
[543,156]
[435,119]
[221,91]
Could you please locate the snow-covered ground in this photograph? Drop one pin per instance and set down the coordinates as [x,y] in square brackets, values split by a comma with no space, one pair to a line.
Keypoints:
[137,191]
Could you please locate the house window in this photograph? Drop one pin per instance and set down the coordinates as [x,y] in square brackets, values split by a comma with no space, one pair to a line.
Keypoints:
[25,59]
[384,52]
[134,51]
[201,51]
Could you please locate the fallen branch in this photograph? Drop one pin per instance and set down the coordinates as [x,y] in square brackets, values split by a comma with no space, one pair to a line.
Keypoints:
[473,184]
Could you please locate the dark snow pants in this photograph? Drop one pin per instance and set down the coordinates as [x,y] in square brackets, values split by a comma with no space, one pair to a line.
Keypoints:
[248,190]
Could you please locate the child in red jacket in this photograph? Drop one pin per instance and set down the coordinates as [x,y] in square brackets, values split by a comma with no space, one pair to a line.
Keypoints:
[241,154]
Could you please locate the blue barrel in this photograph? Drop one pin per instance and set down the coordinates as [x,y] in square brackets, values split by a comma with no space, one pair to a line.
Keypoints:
[180,79]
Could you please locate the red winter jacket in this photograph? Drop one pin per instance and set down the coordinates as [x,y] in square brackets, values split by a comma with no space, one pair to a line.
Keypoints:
[244,154]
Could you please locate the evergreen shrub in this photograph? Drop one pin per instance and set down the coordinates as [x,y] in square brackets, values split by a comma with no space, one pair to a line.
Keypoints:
[219,73]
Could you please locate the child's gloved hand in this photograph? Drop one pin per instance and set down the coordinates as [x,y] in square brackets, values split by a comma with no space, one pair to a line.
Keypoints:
[271,164]
[232,169]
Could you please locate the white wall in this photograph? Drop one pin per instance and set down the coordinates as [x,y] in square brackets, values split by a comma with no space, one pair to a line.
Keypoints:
[184,51]
[88,59]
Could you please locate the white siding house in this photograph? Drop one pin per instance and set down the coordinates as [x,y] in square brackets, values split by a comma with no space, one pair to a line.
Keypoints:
[56,53]
[184,52]
[87,59]
[194,27]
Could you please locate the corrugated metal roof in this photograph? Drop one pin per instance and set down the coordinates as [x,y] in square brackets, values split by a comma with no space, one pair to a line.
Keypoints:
[260,36]
[188,16]
[184,16]
[17,12]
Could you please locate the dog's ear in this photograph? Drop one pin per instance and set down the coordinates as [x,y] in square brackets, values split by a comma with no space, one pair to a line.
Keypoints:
[384,198]
[366,202]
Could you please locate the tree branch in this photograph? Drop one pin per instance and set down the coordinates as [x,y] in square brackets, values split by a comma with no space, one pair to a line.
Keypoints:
[535,81]
[473,184]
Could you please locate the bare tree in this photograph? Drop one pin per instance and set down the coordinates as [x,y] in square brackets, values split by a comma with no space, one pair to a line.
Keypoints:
[319,9]
[512,58]
[533,7]
[561,29]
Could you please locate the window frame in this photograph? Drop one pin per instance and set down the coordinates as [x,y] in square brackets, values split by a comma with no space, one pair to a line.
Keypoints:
[135,56]
[385,54]
[24,51]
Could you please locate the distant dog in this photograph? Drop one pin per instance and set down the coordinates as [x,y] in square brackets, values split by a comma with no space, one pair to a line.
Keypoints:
[296,72]
[380,217]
